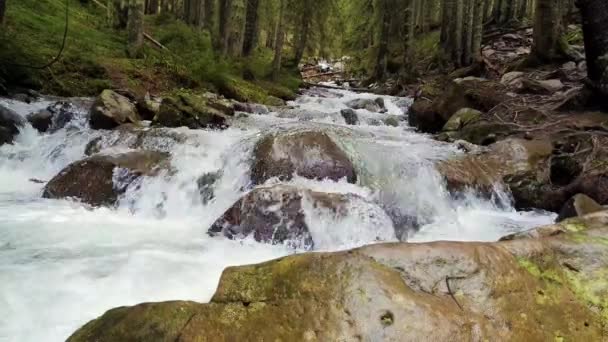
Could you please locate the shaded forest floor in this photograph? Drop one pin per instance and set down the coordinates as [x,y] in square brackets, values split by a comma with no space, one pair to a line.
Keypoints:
[95,57]
[506,96]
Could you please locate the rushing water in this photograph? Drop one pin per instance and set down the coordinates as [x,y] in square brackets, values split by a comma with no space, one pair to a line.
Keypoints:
[62,263]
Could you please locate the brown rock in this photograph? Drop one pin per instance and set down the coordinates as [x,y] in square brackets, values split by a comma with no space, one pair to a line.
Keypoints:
[529,289]
[275,215]
[100,179]
[578,205]
[310,154]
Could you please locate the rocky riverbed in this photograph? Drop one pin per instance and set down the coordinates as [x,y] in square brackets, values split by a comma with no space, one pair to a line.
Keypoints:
[121,200]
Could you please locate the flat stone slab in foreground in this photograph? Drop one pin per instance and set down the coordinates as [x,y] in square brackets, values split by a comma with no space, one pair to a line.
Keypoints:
[545,285]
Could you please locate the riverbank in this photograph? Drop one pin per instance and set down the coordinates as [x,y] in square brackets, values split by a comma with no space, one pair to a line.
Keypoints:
[95,57]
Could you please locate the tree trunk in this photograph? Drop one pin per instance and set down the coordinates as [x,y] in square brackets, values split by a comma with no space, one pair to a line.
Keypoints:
[225,23]
[408,37]
[208,16]
[467,33]
[2,10]
[381,60]
[595,31]
[135,28]
[302,39]
[278,48]
[251,26]
[547,30]
[479,15]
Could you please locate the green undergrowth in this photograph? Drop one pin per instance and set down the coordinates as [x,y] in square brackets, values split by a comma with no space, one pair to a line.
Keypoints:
[95,57]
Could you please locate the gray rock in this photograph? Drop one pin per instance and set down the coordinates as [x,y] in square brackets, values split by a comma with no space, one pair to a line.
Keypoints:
[10,122]
[111,110]
[350,116]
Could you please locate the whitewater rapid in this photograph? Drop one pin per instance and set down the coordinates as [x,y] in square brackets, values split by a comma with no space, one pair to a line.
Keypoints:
[63,263]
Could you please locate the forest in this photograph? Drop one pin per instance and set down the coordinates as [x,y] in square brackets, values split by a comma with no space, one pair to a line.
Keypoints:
[303,170]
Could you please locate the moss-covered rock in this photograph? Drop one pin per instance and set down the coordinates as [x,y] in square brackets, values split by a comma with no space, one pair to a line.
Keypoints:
[101,179]
[111,110]
[193,111]
[546,288]
[440,99]
[462,118]
[310,154]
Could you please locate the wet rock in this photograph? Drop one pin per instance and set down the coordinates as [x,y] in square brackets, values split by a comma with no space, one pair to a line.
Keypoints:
[391,120]
[350,117]
[310,154]
[147,107]
[570,66]
[52,118]
[251,108]
[41,120]
[439,100]
[578,205]
[101,179]
[525,289]
[192,111]
[462,118]
[206,184]
[275,215]
[10,122]
[373,105]
[134,137]
[111,110]
[522,165]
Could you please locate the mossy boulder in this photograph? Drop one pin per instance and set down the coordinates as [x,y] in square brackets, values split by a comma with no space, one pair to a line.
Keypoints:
[310,154]
[462,118]
[275,215]
[520,165]
[111,110]
[439,100]
[545,288]
[193,111]
[101,179]
[578,205]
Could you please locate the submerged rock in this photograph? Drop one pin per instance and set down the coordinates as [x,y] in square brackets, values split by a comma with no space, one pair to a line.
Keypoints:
[373,105]
[310,154]
[10,122]
[111,110]
[52,118]
[526,289]
[350,117]
[133,137]
[275,215]
[99,180]
[193,111]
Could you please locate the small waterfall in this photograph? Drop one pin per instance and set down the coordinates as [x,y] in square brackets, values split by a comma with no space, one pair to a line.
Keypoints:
[62,263]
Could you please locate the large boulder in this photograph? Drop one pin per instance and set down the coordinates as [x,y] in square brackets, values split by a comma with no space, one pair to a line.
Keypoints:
[462,118]
[10,122]
[547,288]
[437,101]
[310,154]
[275,215]
[101,179]
[194,111]
[111,110]
[518,164]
